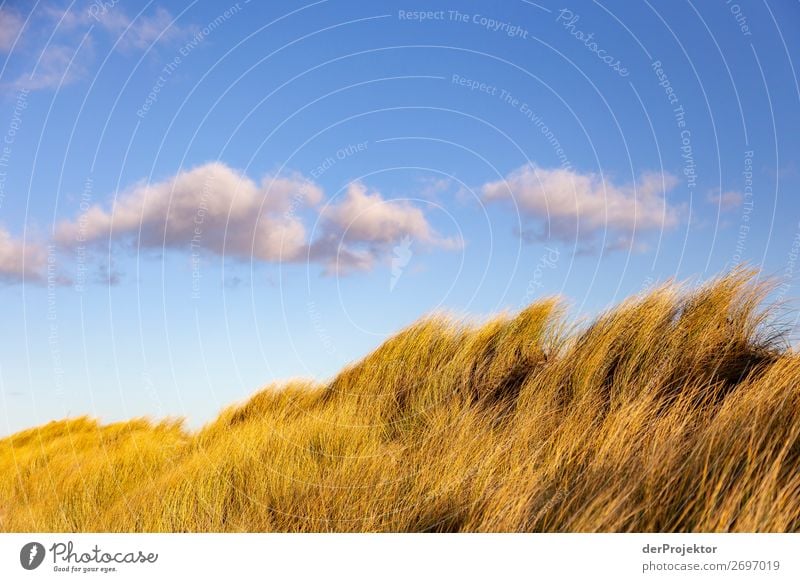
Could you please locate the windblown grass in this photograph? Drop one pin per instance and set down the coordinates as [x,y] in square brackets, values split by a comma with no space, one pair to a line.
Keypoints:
[676,411]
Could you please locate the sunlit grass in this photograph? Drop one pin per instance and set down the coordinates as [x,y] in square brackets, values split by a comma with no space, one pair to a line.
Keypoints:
[676,411]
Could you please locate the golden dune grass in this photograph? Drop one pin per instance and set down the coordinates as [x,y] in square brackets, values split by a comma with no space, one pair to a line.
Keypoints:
[676,411]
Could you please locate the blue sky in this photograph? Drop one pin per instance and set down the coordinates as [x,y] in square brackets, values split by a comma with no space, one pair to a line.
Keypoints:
[197,199]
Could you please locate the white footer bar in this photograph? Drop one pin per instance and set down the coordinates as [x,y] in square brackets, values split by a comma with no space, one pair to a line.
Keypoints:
[406,557]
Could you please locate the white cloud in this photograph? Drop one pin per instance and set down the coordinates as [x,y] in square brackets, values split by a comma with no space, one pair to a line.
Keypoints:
[362,228]
[362,216]
[727,201]
[571,206]
[10,26]
[19,260]
[212,208]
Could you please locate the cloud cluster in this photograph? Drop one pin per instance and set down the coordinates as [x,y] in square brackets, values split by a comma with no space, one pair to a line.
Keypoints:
[20,261]
[216,209]
[571,206]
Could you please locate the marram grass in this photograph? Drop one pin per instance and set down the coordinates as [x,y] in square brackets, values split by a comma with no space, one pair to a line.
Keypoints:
[676,411]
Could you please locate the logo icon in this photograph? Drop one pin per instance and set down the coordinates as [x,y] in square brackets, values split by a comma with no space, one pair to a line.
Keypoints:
[31,555]
[402,256]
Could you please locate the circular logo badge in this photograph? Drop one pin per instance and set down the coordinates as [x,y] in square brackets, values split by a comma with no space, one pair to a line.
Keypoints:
[31,555]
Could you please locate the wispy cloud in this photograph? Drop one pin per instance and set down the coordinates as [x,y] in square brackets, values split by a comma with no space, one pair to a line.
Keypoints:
[727,201]
[59,47]
[10,27]
[571,206]
[137,33]
[433,186]
[57,66]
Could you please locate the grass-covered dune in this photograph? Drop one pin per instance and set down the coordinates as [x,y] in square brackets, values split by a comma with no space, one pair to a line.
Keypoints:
[676,411]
